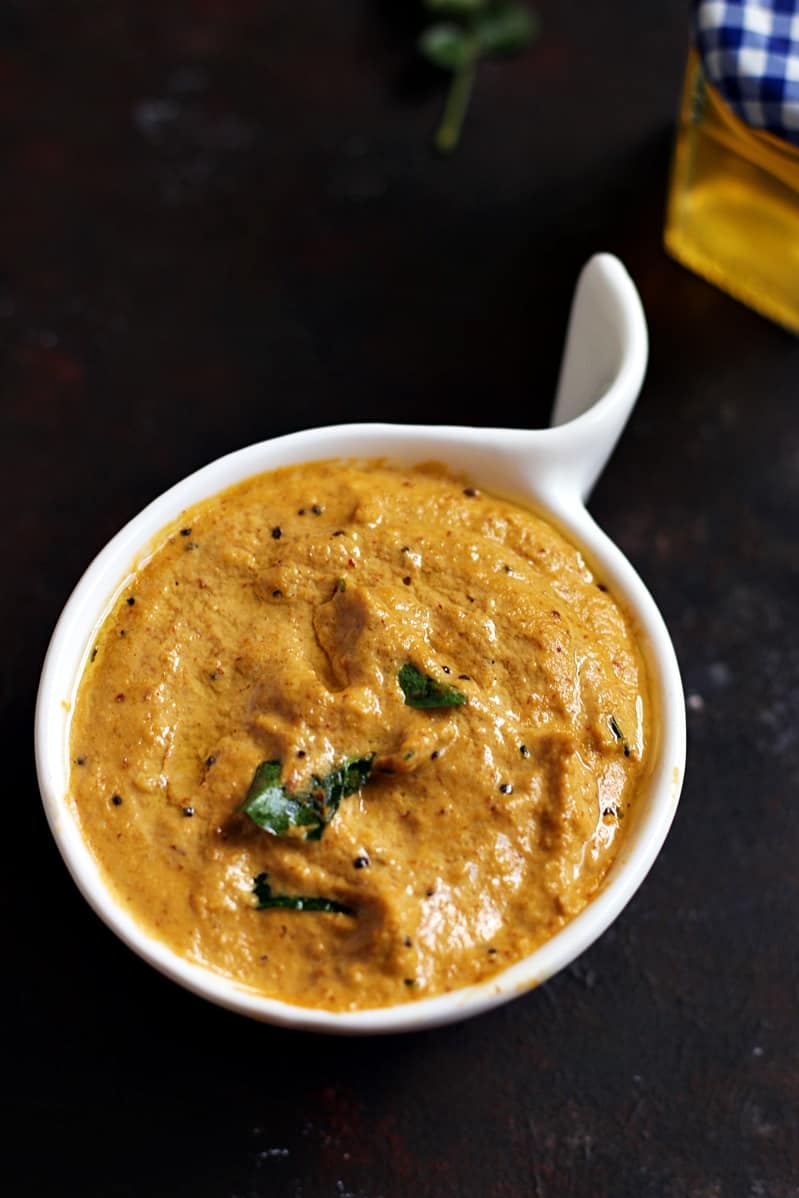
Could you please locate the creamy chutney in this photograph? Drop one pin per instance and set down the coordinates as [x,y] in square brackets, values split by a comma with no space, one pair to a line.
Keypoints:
[356,735]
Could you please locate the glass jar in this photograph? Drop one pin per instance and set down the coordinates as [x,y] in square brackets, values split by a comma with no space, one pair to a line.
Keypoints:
[733,203]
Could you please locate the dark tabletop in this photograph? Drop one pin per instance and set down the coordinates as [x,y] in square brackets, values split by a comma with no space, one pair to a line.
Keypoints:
[222,220]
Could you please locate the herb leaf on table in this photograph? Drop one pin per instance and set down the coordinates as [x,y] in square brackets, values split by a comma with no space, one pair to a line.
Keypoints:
[470,30]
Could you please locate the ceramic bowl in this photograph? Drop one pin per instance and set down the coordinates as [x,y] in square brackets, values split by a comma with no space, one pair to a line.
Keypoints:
[551,470]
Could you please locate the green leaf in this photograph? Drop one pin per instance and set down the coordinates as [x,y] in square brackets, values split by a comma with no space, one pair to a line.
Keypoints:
[506,29]
[294,902]
[420,690]
[270,805]
[446,46]
[326,793]
[617,732]
[457,8]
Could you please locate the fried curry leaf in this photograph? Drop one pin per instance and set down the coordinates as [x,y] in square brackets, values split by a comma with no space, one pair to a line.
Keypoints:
[272,807]
[326,793]
[420,690]
[617,732]
[294,902]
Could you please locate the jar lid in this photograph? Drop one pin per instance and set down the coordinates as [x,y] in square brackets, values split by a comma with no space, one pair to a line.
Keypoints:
[749,51]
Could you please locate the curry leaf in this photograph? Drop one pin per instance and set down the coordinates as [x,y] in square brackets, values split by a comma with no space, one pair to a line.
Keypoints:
[272,807]
[420,690]
[294,902]
[458,8]
[506,29]
[617,732]
[326,793]
[445,46]
[470,30]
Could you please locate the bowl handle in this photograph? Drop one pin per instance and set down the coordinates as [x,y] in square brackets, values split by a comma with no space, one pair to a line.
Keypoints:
[602,369]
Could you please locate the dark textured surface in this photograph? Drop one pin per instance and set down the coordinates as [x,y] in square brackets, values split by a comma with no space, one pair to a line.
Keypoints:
[222,221]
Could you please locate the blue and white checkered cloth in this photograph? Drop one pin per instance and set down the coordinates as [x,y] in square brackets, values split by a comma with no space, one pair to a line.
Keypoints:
[750,53]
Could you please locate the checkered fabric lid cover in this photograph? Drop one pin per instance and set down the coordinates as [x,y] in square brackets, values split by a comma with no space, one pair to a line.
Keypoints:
[750,53]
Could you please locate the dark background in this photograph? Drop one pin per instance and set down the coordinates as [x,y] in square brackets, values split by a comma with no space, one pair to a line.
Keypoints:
[224,221]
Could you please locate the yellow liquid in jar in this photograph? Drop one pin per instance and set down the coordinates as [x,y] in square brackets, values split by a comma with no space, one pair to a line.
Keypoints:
[733,205]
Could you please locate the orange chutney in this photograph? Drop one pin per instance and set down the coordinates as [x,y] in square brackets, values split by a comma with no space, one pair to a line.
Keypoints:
[355,735]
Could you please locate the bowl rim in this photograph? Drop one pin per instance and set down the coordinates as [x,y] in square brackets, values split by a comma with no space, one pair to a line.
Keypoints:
[90,601]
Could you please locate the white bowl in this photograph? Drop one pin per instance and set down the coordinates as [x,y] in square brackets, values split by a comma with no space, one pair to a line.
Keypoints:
[551,470]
